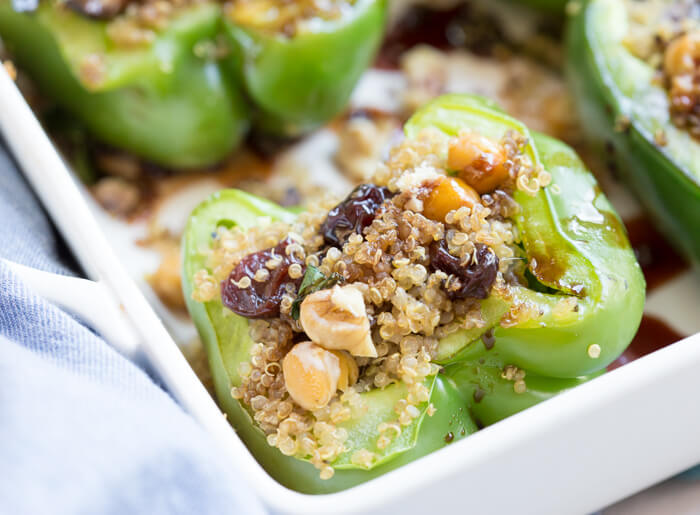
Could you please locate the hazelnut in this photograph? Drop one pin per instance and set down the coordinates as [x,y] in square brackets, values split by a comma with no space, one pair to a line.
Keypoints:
[349,371]
[311,375]
[336,319]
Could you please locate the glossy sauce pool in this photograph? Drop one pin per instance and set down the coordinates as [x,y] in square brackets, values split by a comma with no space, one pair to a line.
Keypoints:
[660,264]
[653,334]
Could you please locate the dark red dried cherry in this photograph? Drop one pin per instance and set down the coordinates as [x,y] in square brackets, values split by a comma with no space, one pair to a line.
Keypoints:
[473,279]
[353,214]
[260,299]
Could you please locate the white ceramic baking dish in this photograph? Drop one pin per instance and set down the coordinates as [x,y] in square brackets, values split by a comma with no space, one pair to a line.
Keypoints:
[578,452]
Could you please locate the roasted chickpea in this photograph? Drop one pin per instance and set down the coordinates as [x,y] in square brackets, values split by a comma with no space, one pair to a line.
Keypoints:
[682,54]
[479,161]
[448,194]
[311,375]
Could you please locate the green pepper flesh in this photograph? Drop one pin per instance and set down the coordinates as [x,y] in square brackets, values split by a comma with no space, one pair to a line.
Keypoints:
[162,103]
[575,244]
[622,110]
[170,104]
[301,82]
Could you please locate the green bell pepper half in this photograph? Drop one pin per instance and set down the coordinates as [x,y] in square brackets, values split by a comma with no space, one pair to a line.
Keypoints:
[575,245]
[577,248]
[297,83]
[491,397]
[160,102]
[612,86]
[164,103]
[226,339]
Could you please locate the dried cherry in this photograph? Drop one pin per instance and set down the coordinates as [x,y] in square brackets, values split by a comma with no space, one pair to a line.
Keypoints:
[474,278]
[353,214]
[260,299]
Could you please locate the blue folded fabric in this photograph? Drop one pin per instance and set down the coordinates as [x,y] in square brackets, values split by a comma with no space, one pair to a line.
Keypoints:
[83,430]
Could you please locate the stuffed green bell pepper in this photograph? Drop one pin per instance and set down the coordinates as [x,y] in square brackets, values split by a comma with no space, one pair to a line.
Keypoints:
[300,65]
[634,67]
[482,271]
[178,83]
[135,85]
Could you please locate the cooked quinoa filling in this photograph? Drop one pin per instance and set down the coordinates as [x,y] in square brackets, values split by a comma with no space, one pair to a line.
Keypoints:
[140,20]
[355,296]
[682,78]
[134,23]
[131,23]
[287,17]
[666,34]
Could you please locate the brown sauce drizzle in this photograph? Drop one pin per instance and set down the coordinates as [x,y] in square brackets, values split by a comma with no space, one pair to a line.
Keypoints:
[442,29]
[419,25]
[489,341]
[467,26]
[653,334]
[659,261]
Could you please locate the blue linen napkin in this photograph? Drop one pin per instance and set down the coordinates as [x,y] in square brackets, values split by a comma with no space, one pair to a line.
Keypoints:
[83,430]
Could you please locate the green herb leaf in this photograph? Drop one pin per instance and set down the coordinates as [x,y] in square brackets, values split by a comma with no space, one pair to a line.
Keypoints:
[313,281]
